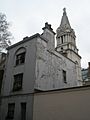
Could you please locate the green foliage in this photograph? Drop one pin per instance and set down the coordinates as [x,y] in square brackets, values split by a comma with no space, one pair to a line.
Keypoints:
[5,35]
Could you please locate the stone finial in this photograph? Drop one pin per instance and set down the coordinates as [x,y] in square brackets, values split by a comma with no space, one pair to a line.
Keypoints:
[64,10]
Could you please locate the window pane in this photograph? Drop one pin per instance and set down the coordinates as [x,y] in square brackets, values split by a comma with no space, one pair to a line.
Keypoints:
[64,76]
[23,111]
[10,114]
[20,58]
[18,81]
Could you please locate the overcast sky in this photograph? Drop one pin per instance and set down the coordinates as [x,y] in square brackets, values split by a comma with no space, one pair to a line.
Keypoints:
[27,17]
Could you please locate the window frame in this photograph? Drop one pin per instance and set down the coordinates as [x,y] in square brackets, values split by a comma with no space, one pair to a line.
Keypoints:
[17,58]
[64,74]
[18,81]
[10,112]
[23,110]
[20,58]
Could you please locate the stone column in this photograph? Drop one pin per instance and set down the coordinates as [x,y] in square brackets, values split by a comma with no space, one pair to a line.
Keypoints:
[67,38]
[70,38]
[63,39]
[57,41]
[60,40]
[73,39]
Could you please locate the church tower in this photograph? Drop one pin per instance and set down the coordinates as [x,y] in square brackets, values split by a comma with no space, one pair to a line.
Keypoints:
[66,43]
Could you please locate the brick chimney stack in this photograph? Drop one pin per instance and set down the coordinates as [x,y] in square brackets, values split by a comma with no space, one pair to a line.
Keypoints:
[49,34]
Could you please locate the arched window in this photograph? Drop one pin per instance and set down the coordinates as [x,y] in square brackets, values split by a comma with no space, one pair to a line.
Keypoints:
[20,56]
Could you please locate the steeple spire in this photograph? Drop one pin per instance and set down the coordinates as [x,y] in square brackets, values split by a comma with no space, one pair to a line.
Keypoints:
[64,20]
[66,42]
[66,39]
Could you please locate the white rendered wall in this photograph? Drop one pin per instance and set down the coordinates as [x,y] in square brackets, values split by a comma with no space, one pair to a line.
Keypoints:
[49,66]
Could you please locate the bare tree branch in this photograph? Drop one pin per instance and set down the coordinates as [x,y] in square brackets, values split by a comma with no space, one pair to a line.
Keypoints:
[5,35]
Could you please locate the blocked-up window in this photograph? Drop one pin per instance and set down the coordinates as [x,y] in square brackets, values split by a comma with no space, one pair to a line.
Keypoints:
[10,113]
[18,78]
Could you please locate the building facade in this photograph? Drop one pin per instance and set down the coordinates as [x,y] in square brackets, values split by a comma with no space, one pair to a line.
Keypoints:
[35,64]
[2,68]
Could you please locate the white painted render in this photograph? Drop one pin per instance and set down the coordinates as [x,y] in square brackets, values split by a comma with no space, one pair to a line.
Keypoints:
[42,70]
[49,66]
